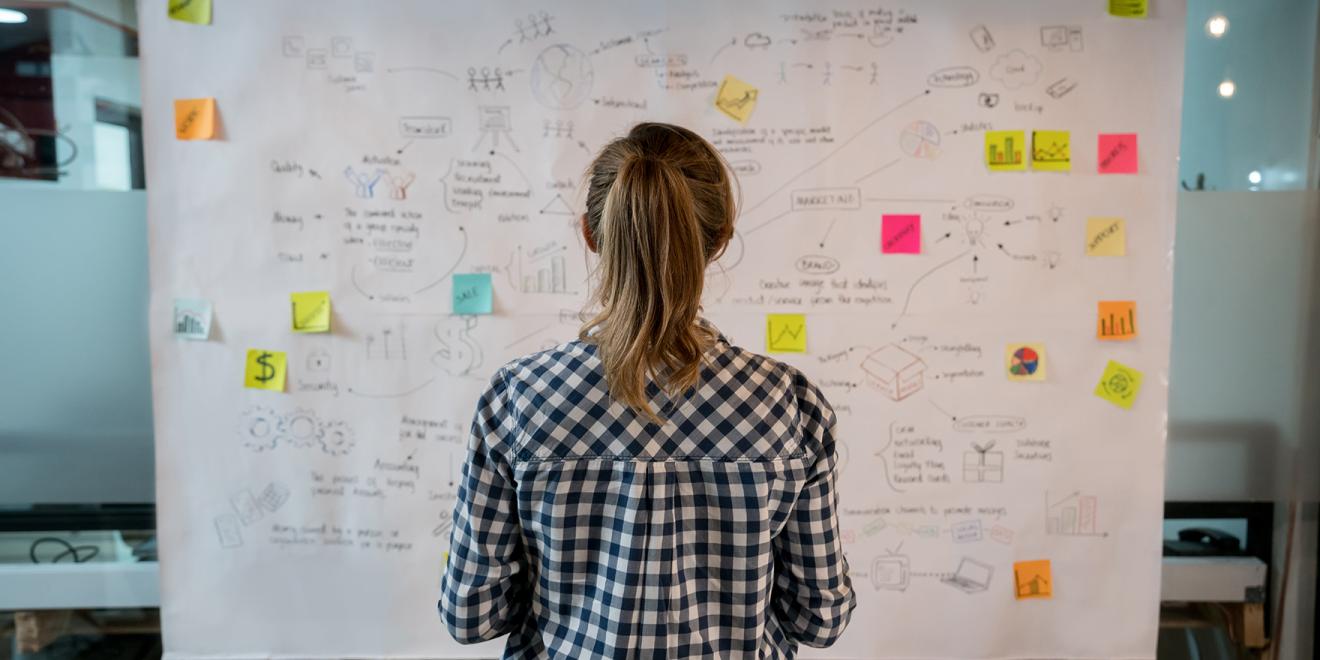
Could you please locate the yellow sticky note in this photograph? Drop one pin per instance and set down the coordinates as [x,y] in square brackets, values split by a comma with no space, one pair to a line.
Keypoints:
[736,99]
[194,119]
[311,311]
[446,557]
[1116,320]
[786,333]
[1050,151]
[191,11]
[1106,237]
[1032,579]
[1004,150]
[265,369]
[1024,362]
[1128,8]
[1119,384]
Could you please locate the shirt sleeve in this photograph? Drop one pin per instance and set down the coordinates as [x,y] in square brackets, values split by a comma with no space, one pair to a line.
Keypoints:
[485,592]
[813,595]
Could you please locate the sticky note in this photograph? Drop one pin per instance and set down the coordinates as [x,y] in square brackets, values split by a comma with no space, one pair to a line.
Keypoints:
[192,318]
[446,557]
[1117,153]
[900,234]
[265,369]
[1051,151]
[311,311]
[1004,150]
[736,99]
[1128,8]
[191,11]
[786,333]
[1024,361]
[194,119]
[472,293]
[1106,237]
[1119,384]
[1116,320]
[1032,579]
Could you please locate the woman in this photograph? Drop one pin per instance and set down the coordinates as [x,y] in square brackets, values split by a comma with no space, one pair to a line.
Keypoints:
[650,490]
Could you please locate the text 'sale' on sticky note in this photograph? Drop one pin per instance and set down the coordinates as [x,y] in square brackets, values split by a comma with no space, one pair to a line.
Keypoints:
[191,11]
[1032,579]
[472,293]
[1024,361]
[1116,320]
[265,369]
[311,311]
[1129,8]
[1119,384]
[1116,153]
[194,119]
[1106,237]
[1005,151]
[900,234]
[192,318]
[786,333]
[736,99]
[1051,151]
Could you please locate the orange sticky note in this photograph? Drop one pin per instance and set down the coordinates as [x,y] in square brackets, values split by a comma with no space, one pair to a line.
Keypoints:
[194,119]
[1116,320]
[1032,579]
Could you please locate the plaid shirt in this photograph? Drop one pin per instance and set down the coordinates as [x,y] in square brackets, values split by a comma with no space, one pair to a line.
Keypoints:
[584,531]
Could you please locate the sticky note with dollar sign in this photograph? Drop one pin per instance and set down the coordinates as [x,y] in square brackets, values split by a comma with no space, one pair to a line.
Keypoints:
[265,369]
[311,311]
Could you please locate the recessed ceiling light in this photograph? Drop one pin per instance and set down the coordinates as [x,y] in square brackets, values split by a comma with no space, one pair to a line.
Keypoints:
[1227,88]
[12,16]
[1254,176]
[1216,26]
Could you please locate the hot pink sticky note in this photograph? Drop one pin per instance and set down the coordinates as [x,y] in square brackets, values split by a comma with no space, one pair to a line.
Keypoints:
[1117,153]
[900,234]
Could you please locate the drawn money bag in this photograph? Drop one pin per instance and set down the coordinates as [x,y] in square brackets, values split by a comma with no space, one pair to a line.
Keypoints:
[459,354]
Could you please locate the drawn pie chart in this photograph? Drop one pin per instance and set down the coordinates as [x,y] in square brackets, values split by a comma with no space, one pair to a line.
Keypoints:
[920,139]
[1025,362]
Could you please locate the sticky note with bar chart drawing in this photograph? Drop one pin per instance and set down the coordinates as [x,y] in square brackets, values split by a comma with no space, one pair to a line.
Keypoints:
[1005,150]
[1116,320]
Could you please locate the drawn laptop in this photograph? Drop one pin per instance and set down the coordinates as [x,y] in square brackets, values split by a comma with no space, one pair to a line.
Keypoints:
[972,576]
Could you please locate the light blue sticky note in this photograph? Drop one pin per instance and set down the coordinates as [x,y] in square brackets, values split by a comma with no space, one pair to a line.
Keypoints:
[192,318]
[472,293]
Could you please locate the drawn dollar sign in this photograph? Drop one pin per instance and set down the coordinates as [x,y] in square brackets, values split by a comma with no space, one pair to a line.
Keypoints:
[267,369]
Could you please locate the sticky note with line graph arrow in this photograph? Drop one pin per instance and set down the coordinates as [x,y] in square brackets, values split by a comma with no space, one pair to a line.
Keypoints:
[311,311]
[786,333]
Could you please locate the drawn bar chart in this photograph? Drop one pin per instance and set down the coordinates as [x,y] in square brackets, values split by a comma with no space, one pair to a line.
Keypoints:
[547,279]
[1008,155]
[1074,515]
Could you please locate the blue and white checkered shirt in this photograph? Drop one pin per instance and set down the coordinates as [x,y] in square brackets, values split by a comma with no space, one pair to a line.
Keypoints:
[584,531]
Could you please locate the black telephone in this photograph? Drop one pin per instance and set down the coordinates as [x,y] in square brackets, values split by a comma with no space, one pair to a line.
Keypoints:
[1203,541]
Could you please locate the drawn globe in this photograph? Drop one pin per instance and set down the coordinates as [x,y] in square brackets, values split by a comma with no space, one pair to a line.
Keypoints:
[561,77]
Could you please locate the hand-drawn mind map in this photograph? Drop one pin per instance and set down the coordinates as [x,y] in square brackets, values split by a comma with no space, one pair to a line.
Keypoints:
[915,184]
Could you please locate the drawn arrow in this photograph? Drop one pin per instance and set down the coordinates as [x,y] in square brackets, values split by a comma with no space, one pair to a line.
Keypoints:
[827,232]
[946,413]
[392,395]
[405,146]
[584,146]
[946,235]
[976,260]
[908,300]
[427,69]
[461,253]
[504,45]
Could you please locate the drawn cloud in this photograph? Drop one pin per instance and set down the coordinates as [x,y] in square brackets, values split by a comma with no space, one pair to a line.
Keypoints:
[1016,69]
[756,40]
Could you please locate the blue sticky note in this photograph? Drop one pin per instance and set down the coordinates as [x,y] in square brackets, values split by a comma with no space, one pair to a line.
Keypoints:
[472,293]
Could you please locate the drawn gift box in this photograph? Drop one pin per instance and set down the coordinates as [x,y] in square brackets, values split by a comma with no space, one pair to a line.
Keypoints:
[897,372]
[983,465]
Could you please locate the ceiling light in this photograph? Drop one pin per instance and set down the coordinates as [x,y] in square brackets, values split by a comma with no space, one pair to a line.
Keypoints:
[1227,88]
[12,16]
[1254,177]
[1216,26]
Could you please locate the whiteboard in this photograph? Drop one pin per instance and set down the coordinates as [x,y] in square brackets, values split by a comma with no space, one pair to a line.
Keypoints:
[376,150]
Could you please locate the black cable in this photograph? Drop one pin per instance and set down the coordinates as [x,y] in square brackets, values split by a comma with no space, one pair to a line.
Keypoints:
[70,550]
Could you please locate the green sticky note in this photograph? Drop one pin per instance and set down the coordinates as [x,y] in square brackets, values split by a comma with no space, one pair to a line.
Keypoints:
[786,333]
[1128,8]
[1119,385]
[311,311]
[191,11]
[472,293]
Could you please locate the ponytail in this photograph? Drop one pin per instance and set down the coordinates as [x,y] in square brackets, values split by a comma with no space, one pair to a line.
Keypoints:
[660,209]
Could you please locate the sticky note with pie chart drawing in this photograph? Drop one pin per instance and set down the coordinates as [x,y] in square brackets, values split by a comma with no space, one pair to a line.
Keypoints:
[1024,362]
[1119,384]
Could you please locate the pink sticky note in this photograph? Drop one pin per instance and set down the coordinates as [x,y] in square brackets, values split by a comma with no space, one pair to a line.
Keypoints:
[1117,153]
[900,234]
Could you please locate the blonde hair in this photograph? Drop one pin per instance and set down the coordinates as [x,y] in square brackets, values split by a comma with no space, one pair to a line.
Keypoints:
[659,209]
